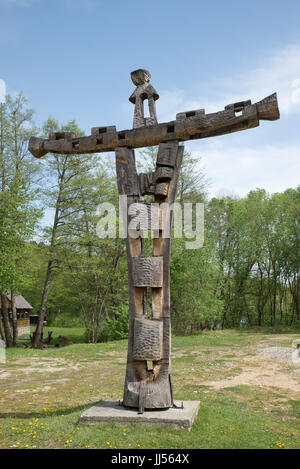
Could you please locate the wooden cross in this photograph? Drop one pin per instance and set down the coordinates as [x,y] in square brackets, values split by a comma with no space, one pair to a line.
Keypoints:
[148,382]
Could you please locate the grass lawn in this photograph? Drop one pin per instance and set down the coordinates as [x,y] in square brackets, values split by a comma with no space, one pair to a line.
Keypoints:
[248,400]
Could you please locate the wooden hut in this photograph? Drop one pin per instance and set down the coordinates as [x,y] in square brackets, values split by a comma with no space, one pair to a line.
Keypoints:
[23,311]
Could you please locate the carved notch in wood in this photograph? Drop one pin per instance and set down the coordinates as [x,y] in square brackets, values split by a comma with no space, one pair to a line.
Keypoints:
[148,339]
[148,271]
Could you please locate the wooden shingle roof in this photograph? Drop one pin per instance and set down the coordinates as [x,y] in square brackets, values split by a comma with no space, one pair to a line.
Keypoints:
[21,303]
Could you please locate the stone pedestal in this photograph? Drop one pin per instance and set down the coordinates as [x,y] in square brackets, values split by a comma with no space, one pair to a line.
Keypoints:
[112,411]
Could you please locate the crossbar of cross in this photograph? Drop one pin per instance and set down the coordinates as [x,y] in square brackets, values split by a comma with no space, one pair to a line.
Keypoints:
[188,125]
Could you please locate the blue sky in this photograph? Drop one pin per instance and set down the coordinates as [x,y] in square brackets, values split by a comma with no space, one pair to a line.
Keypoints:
[72,59]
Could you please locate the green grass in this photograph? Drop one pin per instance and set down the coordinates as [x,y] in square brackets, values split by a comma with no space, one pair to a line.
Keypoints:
[43,393]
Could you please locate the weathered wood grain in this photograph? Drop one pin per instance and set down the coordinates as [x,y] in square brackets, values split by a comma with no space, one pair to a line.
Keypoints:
[151,388]
[139,294]
[145,216]
[144,91]
[165,247]
[102,131]
[148,339]
[187,114]
[147,271]
[133,249]
[126,172]
[163,174]
[162,189]
[190,127]
[267,108]
[147,183]
[157,303]
[167,154]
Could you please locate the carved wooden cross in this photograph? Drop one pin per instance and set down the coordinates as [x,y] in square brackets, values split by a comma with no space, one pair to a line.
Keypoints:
[150,386]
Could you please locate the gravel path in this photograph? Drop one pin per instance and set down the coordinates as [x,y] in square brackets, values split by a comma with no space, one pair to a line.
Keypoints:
[284,354]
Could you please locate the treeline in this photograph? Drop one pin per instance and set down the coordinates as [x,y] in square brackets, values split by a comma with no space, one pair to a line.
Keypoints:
[247,272]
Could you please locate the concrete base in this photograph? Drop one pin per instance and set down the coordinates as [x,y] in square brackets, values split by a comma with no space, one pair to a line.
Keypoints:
[112,411]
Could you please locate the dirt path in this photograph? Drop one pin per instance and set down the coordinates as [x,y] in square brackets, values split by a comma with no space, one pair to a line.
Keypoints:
[262,370]
[263,373]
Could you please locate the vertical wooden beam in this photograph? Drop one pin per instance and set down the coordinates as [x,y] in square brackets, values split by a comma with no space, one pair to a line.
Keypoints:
[149,388]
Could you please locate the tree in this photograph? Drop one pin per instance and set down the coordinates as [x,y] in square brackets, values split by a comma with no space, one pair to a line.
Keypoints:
[18,214]
[194,276]
[61,170]
[92,265]
[286,245]
[257,241]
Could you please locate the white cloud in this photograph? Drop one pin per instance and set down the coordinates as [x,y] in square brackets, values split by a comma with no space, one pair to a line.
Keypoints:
[240,169]
[279,72]
[232,167]
[2,91]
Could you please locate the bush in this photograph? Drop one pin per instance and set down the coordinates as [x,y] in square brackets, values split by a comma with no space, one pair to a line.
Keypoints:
[116,326]
[64,320]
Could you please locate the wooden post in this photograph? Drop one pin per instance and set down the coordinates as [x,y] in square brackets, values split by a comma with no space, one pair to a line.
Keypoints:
[149,340]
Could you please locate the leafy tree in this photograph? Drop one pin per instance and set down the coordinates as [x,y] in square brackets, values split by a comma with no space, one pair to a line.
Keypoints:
[18,214]
[257,241]
[194,276]
[61,171]
[95,267]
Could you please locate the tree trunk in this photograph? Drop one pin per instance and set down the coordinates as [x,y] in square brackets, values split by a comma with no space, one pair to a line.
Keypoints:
[260,298]
[2,335]
[6,326]
[294,287]
[37,335]
[14,320]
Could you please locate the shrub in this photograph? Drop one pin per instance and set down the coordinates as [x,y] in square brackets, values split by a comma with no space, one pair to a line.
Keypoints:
[115,326]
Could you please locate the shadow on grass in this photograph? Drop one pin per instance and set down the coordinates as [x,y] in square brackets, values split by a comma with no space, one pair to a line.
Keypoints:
[54,413]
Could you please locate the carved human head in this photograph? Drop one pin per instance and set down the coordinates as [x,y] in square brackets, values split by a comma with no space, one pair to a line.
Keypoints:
[140,76]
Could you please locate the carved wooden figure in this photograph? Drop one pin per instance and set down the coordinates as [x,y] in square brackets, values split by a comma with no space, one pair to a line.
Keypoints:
[143,91]
[148,382]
